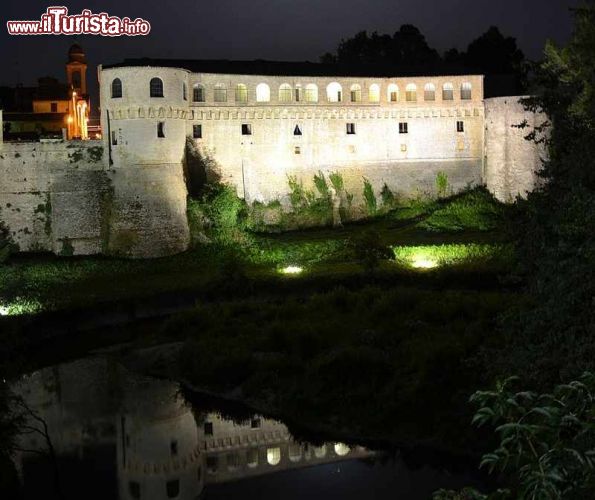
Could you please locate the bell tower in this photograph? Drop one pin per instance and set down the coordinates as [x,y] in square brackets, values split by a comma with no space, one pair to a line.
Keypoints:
[76,70]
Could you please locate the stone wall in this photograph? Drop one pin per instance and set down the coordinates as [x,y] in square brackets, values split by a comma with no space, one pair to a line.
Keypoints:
[53,196]
[512,162]
[66,198]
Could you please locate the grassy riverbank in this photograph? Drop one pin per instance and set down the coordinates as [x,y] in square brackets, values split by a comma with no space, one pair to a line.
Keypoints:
[461,235]
[373,329]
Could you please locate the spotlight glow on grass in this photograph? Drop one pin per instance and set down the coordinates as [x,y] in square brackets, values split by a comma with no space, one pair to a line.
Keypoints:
[20,306]
[292,270]
[423,263]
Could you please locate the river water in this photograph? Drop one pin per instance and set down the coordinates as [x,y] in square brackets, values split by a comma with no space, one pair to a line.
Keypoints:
[116,434]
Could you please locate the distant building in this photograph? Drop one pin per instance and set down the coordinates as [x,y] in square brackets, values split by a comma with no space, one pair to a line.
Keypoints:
[53,108]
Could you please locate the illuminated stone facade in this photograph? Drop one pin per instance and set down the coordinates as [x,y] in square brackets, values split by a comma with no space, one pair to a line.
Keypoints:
[260,129]
[127,195]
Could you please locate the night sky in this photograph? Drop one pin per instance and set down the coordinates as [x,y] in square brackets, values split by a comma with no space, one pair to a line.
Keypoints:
[270,29]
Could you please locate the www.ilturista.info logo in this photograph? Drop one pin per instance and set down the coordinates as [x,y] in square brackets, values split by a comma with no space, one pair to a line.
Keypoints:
[56,21]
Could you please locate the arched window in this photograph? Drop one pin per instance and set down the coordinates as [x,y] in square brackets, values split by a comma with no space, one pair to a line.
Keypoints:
[295,452]
[252,457]
[320,451]
[285,93]
[466,91]
[341,449]
[116,88]
[334,92]
[311,93]
[411,93]
[393,93]
[241,93]
[184,91]
[273,456]
[198,93]
[220,93]
[374,93]
[356,93]
[430,92]
[447,92]
[156,87]
[76,79]
[263,93]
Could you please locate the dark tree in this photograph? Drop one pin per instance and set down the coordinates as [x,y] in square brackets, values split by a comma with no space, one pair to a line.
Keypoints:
[555,227]
[406,48]
[495,54]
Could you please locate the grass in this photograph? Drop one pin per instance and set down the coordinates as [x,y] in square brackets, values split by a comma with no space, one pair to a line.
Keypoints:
[32,283]
[474,210]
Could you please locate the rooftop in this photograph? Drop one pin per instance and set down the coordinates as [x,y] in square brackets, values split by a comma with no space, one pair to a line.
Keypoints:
[288,68]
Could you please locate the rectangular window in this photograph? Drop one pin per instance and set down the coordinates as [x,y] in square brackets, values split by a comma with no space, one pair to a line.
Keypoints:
[297,150]
[212,464]
[255,423]
[403,128]
[246,129]
[161,130]
[54,107]
[394,96]
[351,129]
[114,138]
[356,96]
[460,126]
[173,448]
[220,94]
[197,131]
[298,94]
[208,427]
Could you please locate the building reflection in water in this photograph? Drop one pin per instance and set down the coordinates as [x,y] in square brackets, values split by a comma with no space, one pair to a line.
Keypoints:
[114,430]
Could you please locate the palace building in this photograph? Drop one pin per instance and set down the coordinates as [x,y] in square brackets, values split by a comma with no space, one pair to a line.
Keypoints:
[258,126]
[260,122]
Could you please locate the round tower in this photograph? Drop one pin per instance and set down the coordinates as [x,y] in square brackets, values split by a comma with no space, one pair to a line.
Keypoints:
[143,119]
[157,441]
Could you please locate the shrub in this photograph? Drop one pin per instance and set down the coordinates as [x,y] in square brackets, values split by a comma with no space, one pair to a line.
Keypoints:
[545,439]
[369,250]
[441,184]
[370,198]
[388,198]
[297,193]
[223,207]
[337,182]
[308,208]
[321,185]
